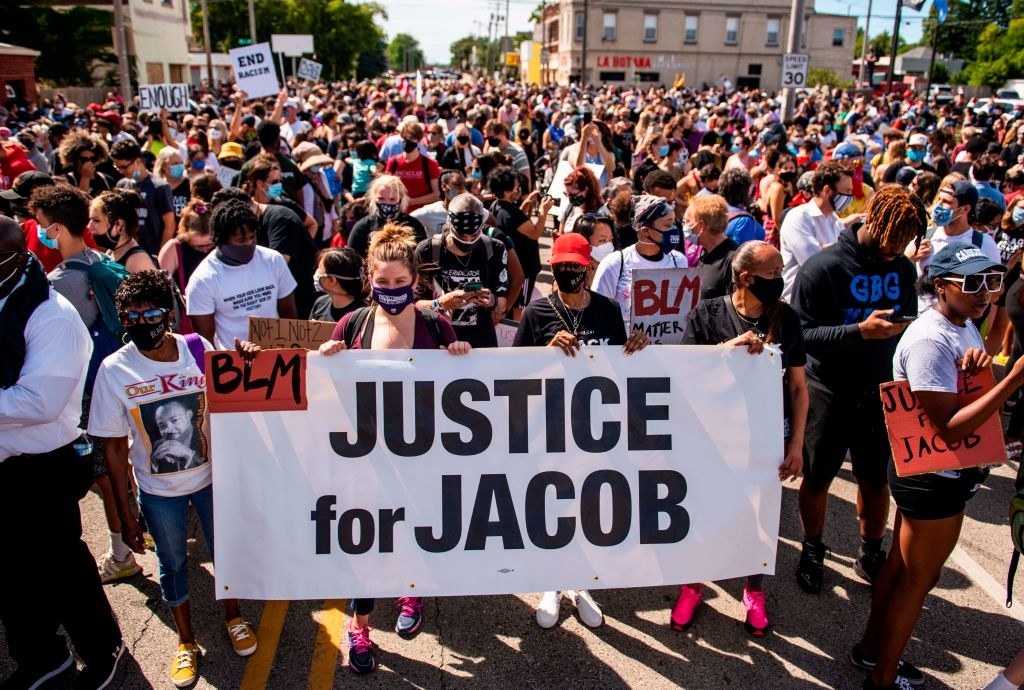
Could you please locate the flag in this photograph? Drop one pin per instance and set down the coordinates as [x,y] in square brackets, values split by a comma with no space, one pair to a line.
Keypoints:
[404,87]
[942,8]
[914,4]
[419,87]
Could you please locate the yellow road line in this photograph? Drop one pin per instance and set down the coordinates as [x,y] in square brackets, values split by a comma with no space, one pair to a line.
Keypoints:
[257,671]
[328,645]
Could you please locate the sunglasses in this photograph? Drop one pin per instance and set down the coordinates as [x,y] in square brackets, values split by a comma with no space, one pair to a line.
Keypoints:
[150,316]
[991,282]
[86,159]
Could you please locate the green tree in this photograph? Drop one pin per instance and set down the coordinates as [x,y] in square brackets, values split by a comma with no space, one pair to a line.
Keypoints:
[71,41]
[372,63]
[822,76]
[959,35]
[462,51]
[1000,55]
[404,53]
[940,74]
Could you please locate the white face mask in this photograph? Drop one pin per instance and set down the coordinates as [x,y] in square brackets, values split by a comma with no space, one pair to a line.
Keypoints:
[600,251]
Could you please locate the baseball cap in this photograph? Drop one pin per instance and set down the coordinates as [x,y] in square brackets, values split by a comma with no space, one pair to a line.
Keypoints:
[249,120]
[231,150]
[847,151]
[905,175]
[114,119]
[960,259]
[965,193]
[293,103]
[917,140]
[25,183]
[571,248]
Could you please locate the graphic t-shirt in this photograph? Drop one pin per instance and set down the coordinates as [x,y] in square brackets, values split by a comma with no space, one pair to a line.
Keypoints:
[411,175]
[180,197]
[234,293]
[161,408]
[598,323]
[614,275]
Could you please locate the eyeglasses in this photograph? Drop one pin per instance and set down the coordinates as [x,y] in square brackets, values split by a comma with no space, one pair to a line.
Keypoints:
[122,167]
[992,282]
[150,316]
[86,159]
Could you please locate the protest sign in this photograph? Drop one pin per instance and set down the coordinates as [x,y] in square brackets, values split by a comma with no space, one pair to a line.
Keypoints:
[275,380]
[500,471]
[271,333]
[155,97]
[662,298]
[254,70]
[917,447]
[309,70]
[506,332]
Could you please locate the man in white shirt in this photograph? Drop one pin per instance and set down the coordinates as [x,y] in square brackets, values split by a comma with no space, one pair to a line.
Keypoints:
[809,228]
[45,469]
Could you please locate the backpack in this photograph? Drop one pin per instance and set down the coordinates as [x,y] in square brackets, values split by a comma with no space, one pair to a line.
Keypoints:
[357,322]
[390,169]
[104,277]
[436,246]
[1016,533]
[977,238]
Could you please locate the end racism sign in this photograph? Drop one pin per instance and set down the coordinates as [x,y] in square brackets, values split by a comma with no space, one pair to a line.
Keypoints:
[501,471]
[254,70]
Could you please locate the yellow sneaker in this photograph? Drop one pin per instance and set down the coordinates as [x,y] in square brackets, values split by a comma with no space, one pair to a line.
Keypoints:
[184,668]
[243,639]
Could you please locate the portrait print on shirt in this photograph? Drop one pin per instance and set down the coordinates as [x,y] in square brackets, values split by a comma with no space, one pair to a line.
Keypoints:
[175,430]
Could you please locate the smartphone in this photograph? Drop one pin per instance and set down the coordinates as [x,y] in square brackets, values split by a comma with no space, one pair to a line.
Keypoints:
[902,318]
[472,287]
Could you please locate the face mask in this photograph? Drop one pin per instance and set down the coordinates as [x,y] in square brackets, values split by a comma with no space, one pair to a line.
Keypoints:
[663,151]
[494,141]
[173,132]
[451,194]
[767,290]
[275,190]
[107,241]
[466,245]
[840,201]
[465,223]
[388,210]
[1018,215]
[47,242]
[215,134]
[462,139]
[177,170]
[600,251]
[475,174]
[392,300]
[10,276]
[136,175]
[317,275]
[577,199]
[915,155]
[669,239]
[237,254]
[942,216]
[409,146]
[147,336]
[789,177]
[755,154]
[198,165]
[735,148]
[568,280]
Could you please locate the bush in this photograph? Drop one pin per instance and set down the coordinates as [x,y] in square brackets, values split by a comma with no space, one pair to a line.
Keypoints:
[820,76]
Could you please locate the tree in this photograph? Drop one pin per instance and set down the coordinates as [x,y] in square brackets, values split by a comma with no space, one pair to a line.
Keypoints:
[462,51]
[966,20]
[538,13]
[71,41]
[940,73]
[404,53]
[822,76]
[1000,55]
[372,63]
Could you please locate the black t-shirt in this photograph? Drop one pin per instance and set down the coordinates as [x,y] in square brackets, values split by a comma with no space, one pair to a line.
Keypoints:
[716,270]
[282,230]
[323,310]
[508,217]
[599,324]
[157,197]
[180,196]
[363,230]
[188,261]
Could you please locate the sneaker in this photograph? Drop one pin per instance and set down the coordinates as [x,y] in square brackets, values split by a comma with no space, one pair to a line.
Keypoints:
[868,564]
[757,623]
[686,606]
[590,612]
[148,542]
[243,639]
[411,615]
[900,683]
[547,609]
[811,572]
[112,569]
[360,650]
[185,667]
[95,677]
[912,673]
[30,678]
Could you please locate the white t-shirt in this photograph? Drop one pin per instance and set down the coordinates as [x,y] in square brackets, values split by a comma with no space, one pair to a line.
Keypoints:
[234,293]
[161,407]
[927,353]
[574,213]
[614,275]
[805,231]
[940,240]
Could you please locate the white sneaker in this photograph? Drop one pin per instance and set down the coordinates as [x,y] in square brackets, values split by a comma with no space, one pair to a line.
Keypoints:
[547,609]
[590,612]
[112,569]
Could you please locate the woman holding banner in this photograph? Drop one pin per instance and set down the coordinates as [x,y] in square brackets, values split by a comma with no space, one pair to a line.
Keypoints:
[389,324]
[935,351]
[571,318]
[752,316]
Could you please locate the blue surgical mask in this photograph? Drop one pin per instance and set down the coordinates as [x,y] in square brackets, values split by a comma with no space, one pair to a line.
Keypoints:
[41,234]
[198,164]
[177,170]
[942,216]
[275,190]
[916,155]
[1018,215]
[735,148]
[475,174]
[663,151]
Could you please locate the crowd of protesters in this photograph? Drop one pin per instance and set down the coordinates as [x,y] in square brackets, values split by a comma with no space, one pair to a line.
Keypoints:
[866,237]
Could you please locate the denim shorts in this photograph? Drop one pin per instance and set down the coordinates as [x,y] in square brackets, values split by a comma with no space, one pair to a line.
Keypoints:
[167,518]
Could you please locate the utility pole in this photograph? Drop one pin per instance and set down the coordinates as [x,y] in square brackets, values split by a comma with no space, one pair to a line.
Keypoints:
[931,65]
[895,44]
[864,47]
[583,51]
[506,45]
[252,24]
[124,75]
[796,32]
[206,46]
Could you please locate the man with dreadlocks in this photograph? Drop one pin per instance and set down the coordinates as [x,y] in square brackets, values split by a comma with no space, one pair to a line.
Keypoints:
[854,299]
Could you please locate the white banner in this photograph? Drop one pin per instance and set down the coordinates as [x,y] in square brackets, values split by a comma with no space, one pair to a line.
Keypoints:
[254,70]
[521,470]
[154,97]
[309,70]
[662,298]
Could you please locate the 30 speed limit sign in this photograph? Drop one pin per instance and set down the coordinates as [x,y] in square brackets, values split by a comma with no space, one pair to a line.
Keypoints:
[794,70]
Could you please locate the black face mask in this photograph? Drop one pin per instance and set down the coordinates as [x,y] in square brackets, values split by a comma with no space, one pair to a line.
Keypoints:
[107,241]
[577,199]
[789,177]
[388,210]
[147,336]
[494,141]
[462,139]
[768,291]
[408,145]
[568,280]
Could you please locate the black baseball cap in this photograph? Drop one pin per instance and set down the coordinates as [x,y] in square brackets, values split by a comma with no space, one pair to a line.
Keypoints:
[25,183]
[960,259]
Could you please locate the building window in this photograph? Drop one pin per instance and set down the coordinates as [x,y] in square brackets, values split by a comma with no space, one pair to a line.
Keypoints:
[690,31]
[611,76]
[167,3]
[647,76]
[579,27]
[754,69]
[650,28]
[610,19]
[772,32]
[838,38]
[732,30]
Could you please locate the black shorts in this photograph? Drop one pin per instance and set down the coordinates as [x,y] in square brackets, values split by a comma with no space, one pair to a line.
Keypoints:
[841,422]
[935,496]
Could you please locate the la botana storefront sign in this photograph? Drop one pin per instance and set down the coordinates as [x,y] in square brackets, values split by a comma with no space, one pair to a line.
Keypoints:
[624,61]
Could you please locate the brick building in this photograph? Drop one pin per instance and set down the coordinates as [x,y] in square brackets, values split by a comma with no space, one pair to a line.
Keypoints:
[17,73]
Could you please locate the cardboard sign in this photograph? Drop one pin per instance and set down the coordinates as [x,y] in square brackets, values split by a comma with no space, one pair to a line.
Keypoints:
[662,298]
[293,45]
[309,70]
[254,70]
[557,188]
[917,447]
[154,97]
[506,332]
[274,334]
[274,382]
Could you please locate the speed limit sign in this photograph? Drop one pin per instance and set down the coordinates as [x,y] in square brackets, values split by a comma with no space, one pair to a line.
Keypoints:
[794,70]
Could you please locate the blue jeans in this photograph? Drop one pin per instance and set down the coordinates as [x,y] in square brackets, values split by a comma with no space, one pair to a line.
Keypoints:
[167,520]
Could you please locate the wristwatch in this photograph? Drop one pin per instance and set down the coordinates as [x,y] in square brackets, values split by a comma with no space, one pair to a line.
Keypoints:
[436,305]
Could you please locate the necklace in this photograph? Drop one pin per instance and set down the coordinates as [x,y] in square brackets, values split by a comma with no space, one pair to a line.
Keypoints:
[753,323]
[573,315]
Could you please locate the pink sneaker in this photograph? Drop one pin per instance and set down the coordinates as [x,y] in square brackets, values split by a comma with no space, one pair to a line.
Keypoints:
[686,605]
[757,623]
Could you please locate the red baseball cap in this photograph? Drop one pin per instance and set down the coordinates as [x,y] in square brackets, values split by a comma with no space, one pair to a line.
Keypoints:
[571,248]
